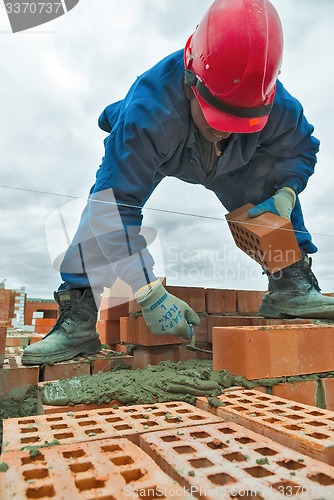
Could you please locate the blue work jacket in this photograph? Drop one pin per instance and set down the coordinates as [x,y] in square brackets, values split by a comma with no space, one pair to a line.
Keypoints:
[152,135]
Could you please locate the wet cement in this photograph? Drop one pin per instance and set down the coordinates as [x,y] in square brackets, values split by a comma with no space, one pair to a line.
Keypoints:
[183,381]
[19,405]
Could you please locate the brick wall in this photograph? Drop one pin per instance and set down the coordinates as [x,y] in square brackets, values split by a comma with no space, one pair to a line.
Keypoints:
[7,300]
[49,308]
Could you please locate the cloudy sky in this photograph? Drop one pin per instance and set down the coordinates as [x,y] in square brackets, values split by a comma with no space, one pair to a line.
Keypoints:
[57,78]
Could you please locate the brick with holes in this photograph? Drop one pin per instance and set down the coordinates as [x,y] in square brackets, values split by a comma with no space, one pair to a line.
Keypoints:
[304,428]
[225,460]
[111,468]
[93,425]
[268,239]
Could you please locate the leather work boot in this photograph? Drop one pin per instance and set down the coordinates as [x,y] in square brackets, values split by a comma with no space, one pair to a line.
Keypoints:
[294,293]
[73,334]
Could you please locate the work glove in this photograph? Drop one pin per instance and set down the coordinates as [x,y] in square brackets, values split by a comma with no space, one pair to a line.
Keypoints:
[282,203]
[165,314]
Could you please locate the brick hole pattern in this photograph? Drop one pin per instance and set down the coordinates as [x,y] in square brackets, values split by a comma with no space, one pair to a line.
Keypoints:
[101,424]
[226,455]
[99,469]
[249,243]
[258,237]
[298,426]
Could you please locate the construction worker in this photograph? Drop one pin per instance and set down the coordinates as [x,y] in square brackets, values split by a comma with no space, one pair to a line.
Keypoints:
[213,114]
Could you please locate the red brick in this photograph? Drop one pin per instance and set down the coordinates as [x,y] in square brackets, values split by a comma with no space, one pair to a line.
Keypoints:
[119,348]
[123,325]
[106,360]
[328,388]
[214,320]
[301,427]
[109,331]
[45,322]
[144,356]
[260,388]
[268,239]
[220,301]
[49,409]
[155,354]
[95,425]
[137,333]
[110,469]
[133,330]
[134,307]
[21,339]
[65,369]
[302,392]
[48,307]
[249,301]
[225,460]
[193,296]
[273,351]
[7,302]
[112,308]
[16,379]
[44,325]
[3,333]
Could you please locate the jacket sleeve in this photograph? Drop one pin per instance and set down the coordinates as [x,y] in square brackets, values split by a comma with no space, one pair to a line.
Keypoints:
[289,138]
[126,178]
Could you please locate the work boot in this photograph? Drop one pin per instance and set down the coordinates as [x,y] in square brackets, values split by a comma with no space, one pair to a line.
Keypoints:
[73,334]
[294,293]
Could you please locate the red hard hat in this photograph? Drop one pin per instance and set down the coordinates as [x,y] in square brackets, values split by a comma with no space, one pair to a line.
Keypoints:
[232,62]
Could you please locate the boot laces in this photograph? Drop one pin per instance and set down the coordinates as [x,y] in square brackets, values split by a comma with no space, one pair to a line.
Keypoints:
[305,268]
[64,315]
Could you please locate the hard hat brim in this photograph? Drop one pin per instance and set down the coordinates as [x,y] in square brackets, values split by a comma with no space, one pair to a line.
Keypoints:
[226,122]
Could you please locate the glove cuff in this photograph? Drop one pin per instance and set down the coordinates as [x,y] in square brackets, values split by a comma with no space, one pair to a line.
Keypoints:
[289,191]
[144,291]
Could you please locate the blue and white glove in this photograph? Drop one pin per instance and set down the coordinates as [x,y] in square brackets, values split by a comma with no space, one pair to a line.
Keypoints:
[282,203]
[165,314]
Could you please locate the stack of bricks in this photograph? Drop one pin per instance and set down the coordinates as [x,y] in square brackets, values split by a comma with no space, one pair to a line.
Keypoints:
[171,450]
[7,304]
[215,307]
[112,309]
[121,324]
[242,342]
[293,361]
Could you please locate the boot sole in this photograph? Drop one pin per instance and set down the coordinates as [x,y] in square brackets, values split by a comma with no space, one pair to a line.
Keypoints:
[268,311]
[92,347]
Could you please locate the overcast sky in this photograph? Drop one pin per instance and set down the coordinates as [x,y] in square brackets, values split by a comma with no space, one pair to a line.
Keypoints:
[57,78]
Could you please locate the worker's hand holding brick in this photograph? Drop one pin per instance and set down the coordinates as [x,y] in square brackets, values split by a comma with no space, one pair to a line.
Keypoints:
[164,313]
[282,204]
